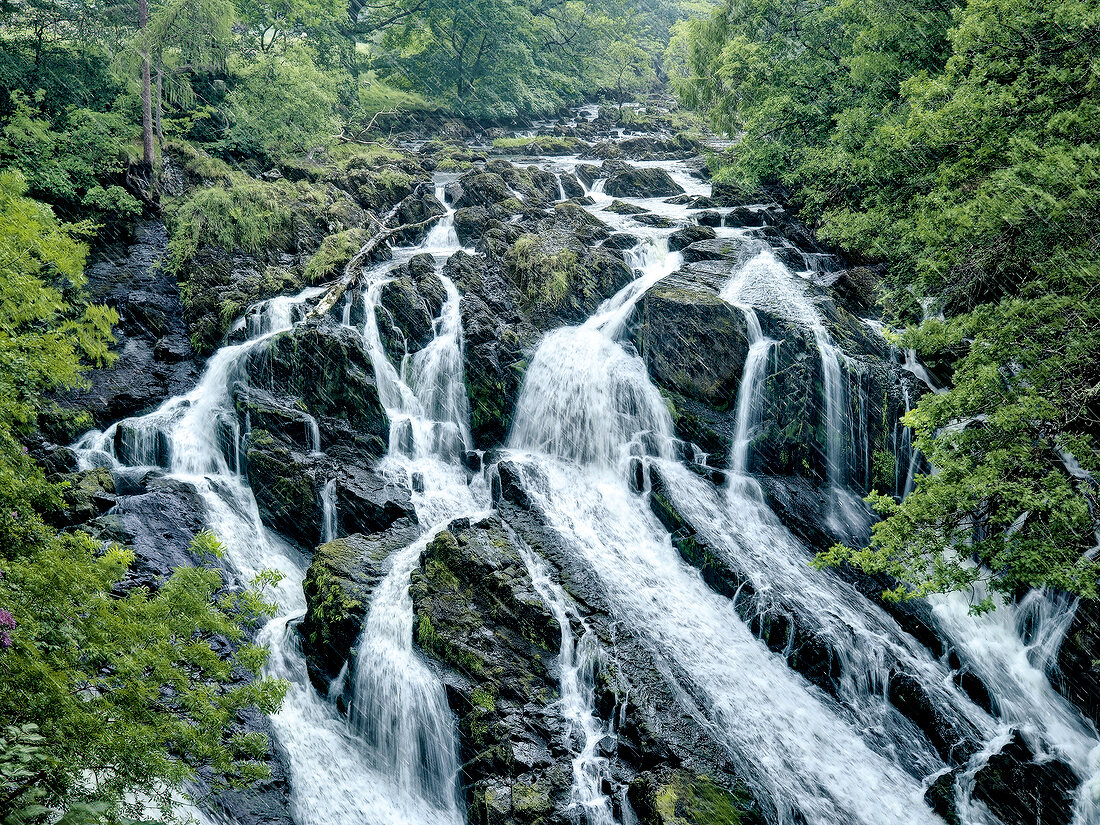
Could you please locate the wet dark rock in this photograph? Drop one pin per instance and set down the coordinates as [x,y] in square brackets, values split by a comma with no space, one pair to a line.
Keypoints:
[626,181]
[478,189]
[689,235]
[1020,791]
[623,208]
[682,797]
[651,219]
[422,206]
[155,359]
[285,484]
[405,317]
[621,241]
[709,218]
[732,194]
[1078,671]
[481,620]
[338,586]
[158,523]
[479,616]
[471,223]
[692,341]
[572,186]
[324,365]
[367,502]
[714,249]
[588,174]
[87,494]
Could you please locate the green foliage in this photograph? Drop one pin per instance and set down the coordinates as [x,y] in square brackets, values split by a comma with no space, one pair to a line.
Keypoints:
[950,141]
[45,329]
[242,214]
[282,105]
[104,691]
[127,690]
[74,165]
[334,254]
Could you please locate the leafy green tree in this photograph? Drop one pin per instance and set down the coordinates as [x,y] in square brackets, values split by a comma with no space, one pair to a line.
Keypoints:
[282,105]
[74,166]
[951,142]
[106,693]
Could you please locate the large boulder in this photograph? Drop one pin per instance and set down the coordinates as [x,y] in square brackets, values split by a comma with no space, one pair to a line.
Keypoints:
[324,365]
[408,306]
[478,189]
[692,341]
[338,587]
[689,235]
[626,181]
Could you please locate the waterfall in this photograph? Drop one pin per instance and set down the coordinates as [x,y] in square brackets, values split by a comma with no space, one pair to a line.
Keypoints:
[398,705]
[750,392]
[838,754]
[328,511]
[577,662]
[313,432]
[785,739]
[337,779]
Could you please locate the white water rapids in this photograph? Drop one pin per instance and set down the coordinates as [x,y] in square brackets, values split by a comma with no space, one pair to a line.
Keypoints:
[586,408]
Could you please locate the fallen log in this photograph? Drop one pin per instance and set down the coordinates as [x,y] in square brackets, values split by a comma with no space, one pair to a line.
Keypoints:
[353,270]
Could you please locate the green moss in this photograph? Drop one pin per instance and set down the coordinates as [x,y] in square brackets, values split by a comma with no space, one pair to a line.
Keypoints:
[699,801]
[483,699]
[334,253]
[543,276]
[238,213]
[542,145]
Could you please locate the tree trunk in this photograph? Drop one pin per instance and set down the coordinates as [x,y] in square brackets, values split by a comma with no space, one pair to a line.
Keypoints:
[146,93]
[160,107]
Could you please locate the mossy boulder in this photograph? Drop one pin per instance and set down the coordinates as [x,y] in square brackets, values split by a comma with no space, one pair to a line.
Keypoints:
[338,588]
[626,181]
[324,366]
[692,341]
[478,189]
[681,797]
[480,617]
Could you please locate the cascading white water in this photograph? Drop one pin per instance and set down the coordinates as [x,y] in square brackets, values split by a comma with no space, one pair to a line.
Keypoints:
[750,394]
[398,706]
[333,785]
[586,405]
[584,402]
[1016,673]
[764,283]
[577,662]
[313,430]
[328,511]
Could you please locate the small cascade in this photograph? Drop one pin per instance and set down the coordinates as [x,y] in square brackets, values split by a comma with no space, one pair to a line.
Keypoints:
[912,364]
[561,189]
[603,405]
[1012,650]
[398,705]
[577,661]
[313,433]
[750,394]
[328,511]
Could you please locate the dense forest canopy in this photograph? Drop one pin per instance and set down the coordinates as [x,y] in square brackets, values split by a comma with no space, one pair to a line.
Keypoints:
[951,147]
[955,143]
